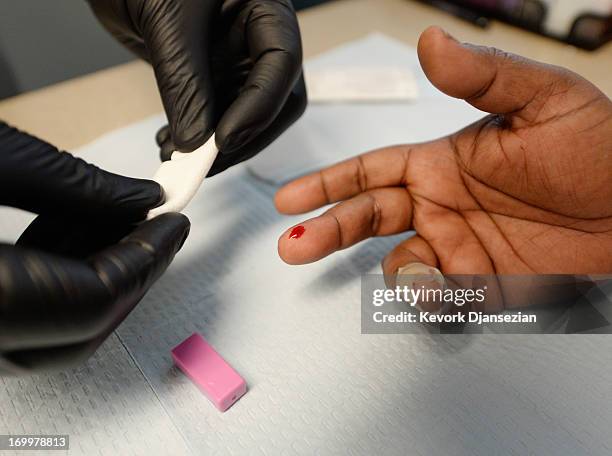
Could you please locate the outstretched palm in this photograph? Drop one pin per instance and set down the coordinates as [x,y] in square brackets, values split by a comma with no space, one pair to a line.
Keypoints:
[527,189]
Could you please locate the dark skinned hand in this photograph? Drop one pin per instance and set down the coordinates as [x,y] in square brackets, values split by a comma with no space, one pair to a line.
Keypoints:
[525,190]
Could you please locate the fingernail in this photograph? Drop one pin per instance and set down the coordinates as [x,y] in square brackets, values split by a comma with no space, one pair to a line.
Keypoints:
[448,35]
[421,269]
[419,275]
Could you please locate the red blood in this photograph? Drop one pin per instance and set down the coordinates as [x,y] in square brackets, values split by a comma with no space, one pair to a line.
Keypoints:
[297,232]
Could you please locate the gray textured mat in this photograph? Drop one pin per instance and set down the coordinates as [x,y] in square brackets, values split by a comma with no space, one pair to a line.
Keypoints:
[105,406]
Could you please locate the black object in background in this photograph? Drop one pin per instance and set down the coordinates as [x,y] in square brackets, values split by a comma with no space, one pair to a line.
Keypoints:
[301,4]
[38,45]
[590,29]
[462,12]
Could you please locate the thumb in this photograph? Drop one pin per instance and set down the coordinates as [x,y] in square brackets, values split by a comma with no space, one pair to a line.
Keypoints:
[177,37]
[489,79]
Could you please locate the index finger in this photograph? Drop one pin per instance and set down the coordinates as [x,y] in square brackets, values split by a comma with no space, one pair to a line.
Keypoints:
[380,168]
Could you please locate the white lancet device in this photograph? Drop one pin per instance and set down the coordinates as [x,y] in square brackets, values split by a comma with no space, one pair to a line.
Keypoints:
[182,175]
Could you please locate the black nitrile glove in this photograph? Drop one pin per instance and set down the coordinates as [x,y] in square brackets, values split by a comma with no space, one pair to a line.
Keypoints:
[233,66]
[81,266]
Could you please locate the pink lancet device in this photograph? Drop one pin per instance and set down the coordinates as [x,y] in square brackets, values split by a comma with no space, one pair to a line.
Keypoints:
[219,382]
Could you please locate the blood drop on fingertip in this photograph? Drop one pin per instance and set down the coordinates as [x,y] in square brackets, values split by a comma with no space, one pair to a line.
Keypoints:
[297,232]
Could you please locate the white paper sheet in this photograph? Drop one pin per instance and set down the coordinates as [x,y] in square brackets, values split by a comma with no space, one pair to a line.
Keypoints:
[316,385]
[328,133]
[360,84]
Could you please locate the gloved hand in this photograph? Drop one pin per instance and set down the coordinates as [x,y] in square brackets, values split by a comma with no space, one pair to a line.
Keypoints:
[81,266]
[233,66]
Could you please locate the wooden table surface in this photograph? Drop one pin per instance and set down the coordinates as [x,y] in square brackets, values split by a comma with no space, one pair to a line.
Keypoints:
[74,112]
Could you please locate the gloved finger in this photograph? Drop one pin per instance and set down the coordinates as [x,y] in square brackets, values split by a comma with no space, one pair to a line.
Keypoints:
[163,135]
[35,176]
[293,109]
[48,300]
[274,43]
[51,358]
[112,14]
[180,58]
[131,266]
[163,138]
[70,238]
